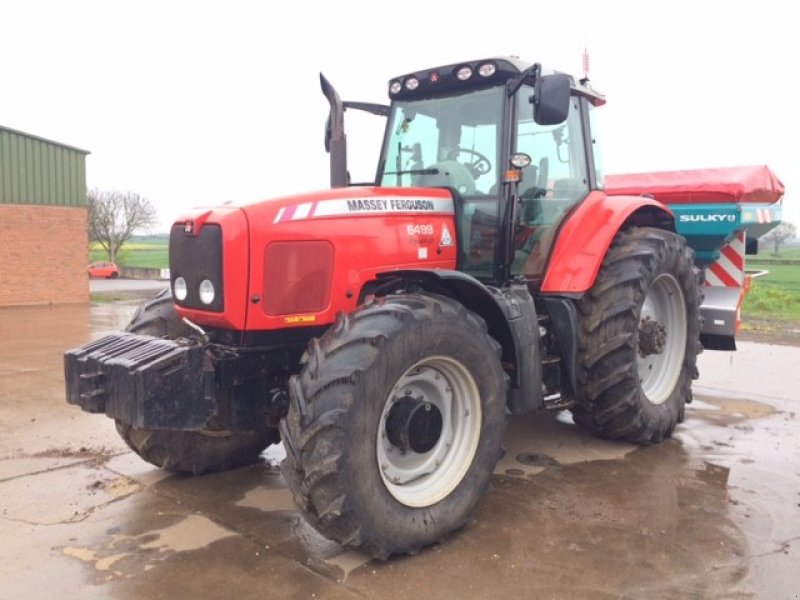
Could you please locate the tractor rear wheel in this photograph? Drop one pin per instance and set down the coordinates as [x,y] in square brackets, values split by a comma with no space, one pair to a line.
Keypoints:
[193,452]
[639,338]
[395,424]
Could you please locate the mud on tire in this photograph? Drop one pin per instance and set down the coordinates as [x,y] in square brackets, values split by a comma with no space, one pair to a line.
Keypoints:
[639,338]
[357,476]
[187,451]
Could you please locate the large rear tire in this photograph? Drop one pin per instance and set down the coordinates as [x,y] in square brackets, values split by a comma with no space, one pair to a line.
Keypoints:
[395,424]
[193,452]
[639,338]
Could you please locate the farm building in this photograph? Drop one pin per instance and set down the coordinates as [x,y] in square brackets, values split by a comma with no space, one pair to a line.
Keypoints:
[43,221]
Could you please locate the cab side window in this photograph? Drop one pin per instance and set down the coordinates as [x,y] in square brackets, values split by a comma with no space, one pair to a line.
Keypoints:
[555,181]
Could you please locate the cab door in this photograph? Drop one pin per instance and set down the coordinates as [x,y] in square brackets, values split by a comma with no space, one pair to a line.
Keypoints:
[552,185]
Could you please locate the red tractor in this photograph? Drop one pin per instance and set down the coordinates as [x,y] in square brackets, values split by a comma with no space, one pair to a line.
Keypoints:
[385,331]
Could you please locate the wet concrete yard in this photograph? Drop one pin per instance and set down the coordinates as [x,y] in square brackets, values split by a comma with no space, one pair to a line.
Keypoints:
[712,513]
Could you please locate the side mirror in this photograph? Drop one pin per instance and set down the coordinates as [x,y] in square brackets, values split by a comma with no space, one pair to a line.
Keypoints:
[551,99]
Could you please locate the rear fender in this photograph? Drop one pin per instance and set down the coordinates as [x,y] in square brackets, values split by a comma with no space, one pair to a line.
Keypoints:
[587,234]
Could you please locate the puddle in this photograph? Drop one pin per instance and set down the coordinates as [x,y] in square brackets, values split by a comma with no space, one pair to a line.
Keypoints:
[125,555]
[727,412]
[733,408]
[89,556]
[193,532]
[268,499]
[347,562]
[621,523]
[715,475]
[542,440]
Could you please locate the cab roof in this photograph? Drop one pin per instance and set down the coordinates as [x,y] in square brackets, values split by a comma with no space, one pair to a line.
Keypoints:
[435,80]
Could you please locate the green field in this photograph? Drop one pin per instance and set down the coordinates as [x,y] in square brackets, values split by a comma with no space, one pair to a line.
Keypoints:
[765,252]
[775,295]
[153,254]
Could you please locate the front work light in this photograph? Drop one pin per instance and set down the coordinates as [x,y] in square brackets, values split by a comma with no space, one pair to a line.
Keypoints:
[464,73]
[487,70]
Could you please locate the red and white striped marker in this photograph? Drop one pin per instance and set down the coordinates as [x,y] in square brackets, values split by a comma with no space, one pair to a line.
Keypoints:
[728,270]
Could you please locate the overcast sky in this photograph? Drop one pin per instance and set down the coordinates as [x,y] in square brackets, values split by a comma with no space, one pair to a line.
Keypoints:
[194,103]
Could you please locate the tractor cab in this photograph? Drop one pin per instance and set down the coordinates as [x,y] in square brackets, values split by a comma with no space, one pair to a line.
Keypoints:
[512,144]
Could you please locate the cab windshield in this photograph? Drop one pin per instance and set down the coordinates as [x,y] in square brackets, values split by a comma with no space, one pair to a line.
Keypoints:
[449,141]
[452,141]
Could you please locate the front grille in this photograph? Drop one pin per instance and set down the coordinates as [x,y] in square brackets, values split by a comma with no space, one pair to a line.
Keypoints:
[195,258]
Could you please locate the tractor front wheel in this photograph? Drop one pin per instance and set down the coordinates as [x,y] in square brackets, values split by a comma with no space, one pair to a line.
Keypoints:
[193,452]
[395,424]
[639,338]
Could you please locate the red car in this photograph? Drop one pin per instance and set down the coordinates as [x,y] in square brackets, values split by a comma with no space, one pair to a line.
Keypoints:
[106,270]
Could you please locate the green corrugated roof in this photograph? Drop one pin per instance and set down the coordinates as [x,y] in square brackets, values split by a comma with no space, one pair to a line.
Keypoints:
[35,170]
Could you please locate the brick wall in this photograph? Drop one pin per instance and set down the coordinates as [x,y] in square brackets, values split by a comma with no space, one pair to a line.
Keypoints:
[43,255]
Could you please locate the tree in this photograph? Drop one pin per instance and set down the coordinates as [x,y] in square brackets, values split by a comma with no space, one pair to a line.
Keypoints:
[782,233]
[115,215]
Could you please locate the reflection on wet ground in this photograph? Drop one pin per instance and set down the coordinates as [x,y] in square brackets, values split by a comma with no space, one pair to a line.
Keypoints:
[712,513]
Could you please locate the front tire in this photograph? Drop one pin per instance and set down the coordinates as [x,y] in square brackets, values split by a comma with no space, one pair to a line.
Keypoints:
[193,452]
[197,452]
[639,338]
[395,424]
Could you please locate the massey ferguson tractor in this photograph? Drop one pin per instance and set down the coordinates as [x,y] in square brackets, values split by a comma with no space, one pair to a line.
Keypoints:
[384,332]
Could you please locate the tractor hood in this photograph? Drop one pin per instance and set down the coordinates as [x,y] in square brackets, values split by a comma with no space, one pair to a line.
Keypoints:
[298,260]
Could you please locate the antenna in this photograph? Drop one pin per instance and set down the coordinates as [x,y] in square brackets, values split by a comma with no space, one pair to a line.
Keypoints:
[586,64]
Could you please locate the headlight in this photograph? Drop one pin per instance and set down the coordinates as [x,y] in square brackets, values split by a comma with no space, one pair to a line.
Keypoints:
[206,291]
[179,288]
[395,87]
[412,83]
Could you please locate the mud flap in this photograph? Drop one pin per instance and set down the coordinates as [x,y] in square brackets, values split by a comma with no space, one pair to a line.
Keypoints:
[720,312]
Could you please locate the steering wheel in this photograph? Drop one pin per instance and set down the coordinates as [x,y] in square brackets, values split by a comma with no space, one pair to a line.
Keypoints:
[480,164]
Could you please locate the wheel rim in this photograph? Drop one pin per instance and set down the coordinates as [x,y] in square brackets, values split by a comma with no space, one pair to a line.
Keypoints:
[662,339]
[425,475]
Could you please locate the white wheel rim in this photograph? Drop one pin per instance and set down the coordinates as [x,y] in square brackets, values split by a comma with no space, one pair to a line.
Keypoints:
[659,372]
[423,479]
